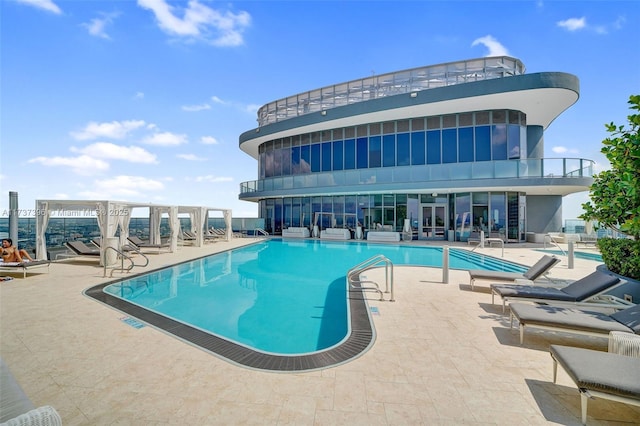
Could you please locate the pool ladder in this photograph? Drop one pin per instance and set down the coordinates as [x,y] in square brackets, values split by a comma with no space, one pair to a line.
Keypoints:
[354,281]
[260,231]
[122,256]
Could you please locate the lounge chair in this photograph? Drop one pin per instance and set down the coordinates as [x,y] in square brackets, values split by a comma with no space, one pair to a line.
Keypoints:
[140,244]
[474,237]
[589,290]
[24,267]
[613,375]
[540,268]
[81,249]
[572,320]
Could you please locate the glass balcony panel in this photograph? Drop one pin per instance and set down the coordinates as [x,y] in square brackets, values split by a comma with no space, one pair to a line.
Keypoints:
[402,174]
[506,169]
[553,167]
[299,181]
[352,177]
[573,167]
[419,174]
[461,171]
[482,170]
[325,179]
[287,182]
[384,176]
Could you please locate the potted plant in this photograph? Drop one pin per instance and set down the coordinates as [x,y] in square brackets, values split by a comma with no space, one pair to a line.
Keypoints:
[615,196]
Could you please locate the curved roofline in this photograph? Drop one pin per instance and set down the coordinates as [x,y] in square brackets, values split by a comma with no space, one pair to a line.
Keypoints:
[541,96]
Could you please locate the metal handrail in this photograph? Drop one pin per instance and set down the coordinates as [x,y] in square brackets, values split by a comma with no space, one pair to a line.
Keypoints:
[371,263]
[123,256]
[260,231]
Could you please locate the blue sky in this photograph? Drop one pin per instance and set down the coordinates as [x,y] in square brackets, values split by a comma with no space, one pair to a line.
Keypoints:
[145,100]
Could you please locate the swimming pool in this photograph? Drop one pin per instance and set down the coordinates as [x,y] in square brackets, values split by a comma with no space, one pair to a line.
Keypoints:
[579,254]
[278,297]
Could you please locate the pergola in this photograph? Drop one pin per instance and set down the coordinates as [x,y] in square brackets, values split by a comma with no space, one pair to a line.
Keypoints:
[114,215]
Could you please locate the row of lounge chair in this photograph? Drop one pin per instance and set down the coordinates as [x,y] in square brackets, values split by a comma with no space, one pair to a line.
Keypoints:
[578,308]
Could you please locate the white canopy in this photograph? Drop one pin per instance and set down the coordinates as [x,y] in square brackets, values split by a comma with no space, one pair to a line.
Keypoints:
[112,215]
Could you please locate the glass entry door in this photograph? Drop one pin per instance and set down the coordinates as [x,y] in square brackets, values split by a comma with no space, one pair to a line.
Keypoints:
[433,221]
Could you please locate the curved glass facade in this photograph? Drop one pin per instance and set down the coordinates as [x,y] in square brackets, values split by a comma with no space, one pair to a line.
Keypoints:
[454,138]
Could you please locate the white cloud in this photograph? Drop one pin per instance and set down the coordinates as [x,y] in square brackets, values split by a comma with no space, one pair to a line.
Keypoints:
[122,187]
[165,139]
[208,140]
[112,130]
[190,157]
[82,165]
[252,108]
[195,108]
[573,24]
[213,179]
[138,95]
[494,46]
[563,150]
[133,154]
[217,100]
[47,5]
[97,26]
[199,22]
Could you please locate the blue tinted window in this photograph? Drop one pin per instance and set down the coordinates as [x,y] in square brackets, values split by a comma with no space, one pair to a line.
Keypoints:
[268,164]
[338,155]
[433,147]
[450,146]
[483,143]
[363,153]
[389,150]
[305,159]
[499,141]
[375,151]
[326,157]
[403,149]
[286,161]
[465,144]
[514,141]
[315,157]
[350,154]
[295,160]
[418,148]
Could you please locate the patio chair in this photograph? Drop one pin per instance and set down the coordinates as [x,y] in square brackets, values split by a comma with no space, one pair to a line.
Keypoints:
[81,249]
[613,375]
[571,320]
[24,267]
[140,244]
[540,268]
[588,290]
[474,238]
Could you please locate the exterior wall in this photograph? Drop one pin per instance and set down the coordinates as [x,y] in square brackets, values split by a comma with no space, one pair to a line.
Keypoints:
[535,142]
[544,213]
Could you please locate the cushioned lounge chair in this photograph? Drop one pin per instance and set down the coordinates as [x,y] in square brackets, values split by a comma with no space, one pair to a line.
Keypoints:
[588,290]
[613,375]
[572,320]
[24,267]
[81,249]
[140,244]
[540,268]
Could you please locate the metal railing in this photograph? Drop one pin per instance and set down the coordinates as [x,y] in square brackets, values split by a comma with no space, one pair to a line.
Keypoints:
[549,168]
[389,84]
[122,256]
[354,281]
[260,231]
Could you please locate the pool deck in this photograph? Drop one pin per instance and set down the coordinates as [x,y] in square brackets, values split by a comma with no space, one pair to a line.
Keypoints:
[443,355]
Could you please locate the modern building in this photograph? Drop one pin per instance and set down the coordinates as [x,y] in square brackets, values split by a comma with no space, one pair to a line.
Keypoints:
[453,148]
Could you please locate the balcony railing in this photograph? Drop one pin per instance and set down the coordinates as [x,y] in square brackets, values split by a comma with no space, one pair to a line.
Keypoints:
[505,169]
[378,86]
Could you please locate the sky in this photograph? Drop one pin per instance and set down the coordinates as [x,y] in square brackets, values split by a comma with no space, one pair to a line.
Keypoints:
[144,101]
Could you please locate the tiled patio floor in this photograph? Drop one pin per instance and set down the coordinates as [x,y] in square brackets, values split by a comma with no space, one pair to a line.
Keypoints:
[443,355]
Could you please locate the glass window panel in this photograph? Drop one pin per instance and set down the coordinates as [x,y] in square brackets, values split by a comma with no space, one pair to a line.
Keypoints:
[362,130]
[326,135]
[286,161]
[433,147]
[499,116]
[315,137]
[374,129]
[402,126]
[417,124]
[514,117]
[315,157]
[305,159]
[465,119]
[403,149]
[350,132]
[482,117]
[449,121]
[362,145]
[268,164]
[350,204]
[389,150]
[499,142]
[433,122]
[389,127]
[375,151]
[338,155]
[449,146]
[497,220]
[295,160]
[350,154]
[465,144]
[418,148]
[513,139]
[483,143]
[338,134]
[326,156]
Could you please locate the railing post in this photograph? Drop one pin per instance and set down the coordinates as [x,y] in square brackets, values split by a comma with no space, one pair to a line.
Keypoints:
[570,255]
[445,264]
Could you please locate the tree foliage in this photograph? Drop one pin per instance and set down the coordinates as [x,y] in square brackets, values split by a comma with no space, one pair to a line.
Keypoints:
[615,193]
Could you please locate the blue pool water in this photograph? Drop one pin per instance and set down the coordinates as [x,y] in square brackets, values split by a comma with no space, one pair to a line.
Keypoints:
[277,296]
[579,254]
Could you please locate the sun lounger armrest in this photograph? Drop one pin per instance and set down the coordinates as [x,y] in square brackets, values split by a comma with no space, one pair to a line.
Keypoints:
[622,343]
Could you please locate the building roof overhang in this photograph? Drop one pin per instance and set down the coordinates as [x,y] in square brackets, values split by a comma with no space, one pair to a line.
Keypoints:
[541,96]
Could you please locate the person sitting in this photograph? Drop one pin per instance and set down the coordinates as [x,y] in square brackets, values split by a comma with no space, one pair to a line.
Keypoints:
[10,253]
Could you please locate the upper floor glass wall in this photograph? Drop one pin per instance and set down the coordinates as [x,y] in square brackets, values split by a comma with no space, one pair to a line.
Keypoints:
[378,86]
[453,138]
